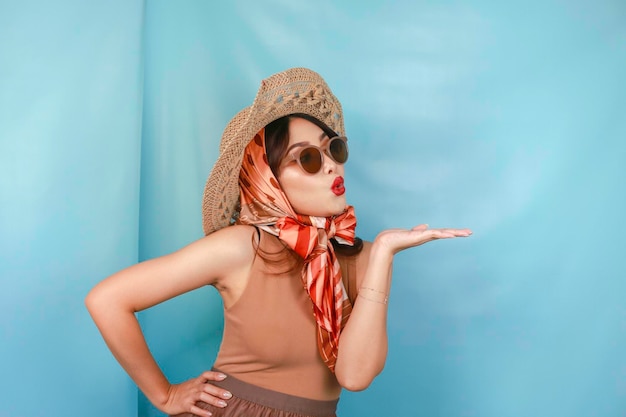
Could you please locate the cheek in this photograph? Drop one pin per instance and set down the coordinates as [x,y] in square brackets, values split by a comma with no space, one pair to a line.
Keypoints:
[296,191]
[300,191]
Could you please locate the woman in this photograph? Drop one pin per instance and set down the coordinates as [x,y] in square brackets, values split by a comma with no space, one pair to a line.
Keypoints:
[305,301]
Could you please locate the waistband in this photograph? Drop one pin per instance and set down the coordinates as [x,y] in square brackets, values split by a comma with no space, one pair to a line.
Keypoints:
[275,399]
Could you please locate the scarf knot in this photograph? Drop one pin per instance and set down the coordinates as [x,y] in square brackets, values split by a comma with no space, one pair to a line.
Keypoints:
[306,235]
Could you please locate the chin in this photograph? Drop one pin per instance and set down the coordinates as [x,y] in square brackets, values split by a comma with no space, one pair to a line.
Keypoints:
[332,209]
[337,211]
[325,213]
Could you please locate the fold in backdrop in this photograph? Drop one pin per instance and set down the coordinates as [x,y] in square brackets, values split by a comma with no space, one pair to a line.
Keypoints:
[506,117]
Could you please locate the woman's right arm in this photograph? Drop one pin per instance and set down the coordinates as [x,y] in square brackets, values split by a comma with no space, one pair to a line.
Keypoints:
[220,259]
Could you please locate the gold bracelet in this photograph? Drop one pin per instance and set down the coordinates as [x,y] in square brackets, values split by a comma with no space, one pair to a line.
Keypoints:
[371,299]
[374,301]
[372,289]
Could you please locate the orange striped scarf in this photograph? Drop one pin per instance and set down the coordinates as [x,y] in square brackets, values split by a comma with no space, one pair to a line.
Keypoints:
[264,205]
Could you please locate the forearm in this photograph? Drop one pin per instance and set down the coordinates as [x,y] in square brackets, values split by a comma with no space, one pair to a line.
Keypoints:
[363,342]
[122,334]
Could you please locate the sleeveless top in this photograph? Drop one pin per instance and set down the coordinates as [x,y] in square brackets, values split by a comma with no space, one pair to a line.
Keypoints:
[269,335]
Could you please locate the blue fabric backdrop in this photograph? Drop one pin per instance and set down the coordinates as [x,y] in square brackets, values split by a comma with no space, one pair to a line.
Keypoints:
[506,117]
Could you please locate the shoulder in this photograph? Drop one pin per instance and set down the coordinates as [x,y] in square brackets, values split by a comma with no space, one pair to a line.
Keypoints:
[367,247]
[237,233]
[353,269]
[221,253]
[362,261]
[356,259]
[364,255]
[233,243]
[354,266]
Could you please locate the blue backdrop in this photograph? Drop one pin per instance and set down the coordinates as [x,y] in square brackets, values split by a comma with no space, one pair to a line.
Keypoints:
[505,117]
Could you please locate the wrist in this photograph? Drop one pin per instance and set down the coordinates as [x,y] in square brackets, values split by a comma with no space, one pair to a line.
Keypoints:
[381,252]
[372,294]
[160,397]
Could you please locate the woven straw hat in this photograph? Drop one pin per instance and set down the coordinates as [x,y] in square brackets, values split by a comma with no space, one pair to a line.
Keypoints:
[296,90]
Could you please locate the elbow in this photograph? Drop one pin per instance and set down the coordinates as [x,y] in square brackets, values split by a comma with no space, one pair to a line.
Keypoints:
[355,384]
[357,373]
[357,379]
[95,305]
[99,301]
[95,300]
[91,301]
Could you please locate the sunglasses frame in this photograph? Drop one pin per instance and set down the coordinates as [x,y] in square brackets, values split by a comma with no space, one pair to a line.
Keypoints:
[322,150]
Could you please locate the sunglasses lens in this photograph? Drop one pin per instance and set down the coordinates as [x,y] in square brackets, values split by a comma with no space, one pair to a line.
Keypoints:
[311,160]
[339,150]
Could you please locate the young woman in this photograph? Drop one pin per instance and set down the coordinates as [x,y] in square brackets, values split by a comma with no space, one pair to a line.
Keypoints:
[305,301]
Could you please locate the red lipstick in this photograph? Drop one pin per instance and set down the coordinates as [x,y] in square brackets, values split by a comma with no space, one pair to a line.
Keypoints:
[337,187]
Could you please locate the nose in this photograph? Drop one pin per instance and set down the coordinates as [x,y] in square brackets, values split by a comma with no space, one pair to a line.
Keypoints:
[330,165]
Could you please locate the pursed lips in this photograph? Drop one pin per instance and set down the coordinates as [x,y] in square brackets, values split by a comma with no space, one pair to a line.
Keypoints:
[338,187]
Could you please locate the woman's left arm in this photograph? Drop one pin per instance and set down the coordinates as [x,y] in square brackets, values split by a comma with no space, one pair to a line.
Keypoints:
[363,341]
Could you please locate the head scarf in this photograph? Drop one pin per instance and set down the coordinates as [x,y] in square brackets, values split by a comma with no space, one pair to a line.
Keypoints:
[264,205]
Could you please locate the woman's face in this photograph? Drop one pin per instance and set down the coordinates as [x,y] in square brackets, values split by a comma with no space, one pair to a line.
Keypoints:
[321,194]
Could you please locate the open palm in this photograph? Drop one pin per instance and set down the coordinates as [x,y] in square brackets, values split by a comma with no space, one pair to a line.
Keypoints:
[396,240]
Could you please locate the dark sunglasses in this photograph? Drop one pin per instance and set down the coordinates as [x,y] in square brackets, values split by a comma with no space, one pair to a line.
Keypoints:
[310,157]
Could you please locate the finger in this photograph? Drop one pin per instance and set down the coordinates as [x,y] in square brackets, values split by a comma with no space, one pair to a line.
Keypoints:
[440,234]
[420,228]
[199,411]
[213,376]
[459,232]
[216,391]
[214,401]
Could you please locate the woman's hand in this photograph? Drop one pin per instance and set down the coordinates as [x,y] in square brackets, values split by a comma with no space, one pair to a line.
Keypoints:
[396,240]
[182,398]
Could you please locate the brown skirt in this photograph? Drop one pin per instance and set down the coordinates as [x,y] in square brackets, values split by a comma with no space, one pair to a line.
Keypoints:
[251,401]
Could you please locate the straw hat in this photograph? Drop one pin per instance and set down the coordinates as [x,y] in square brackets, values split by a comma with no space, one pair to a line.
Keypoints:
[296,90]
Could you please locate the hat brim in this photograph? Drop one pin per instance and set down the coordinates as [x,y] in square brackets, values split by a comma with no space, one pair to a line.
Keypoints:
[297,90]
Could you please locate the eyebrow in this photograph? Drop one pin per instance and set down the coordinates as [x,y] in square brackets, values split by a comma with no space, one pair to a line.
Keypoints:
[321,138]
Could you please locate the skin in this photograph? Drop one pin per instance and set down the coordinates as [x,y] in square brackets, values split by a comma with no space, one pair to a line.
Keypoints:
[310,194]
[224,259]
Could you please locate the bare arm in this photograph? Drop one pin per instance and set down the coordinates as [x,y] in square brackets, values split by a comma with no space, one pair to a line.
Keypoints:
[363,342]
[218,259]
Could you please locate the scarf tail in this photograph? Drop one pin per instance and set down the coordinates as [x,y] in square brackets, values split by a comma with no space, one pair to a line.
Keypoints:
[264,204]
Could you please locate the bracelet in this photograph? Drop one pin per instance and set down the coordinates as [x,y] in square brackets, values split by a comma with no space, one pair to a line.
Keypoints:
[372,289]
[375,301]
[384,301]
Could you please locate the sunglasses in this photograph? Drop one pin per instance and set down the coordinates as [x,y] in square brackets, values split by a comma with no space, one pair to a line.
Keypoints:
[310,157]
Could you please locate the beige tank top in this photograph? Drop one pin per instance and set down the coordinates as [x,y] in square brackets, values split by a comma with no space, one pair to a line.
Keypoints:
[270,338]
